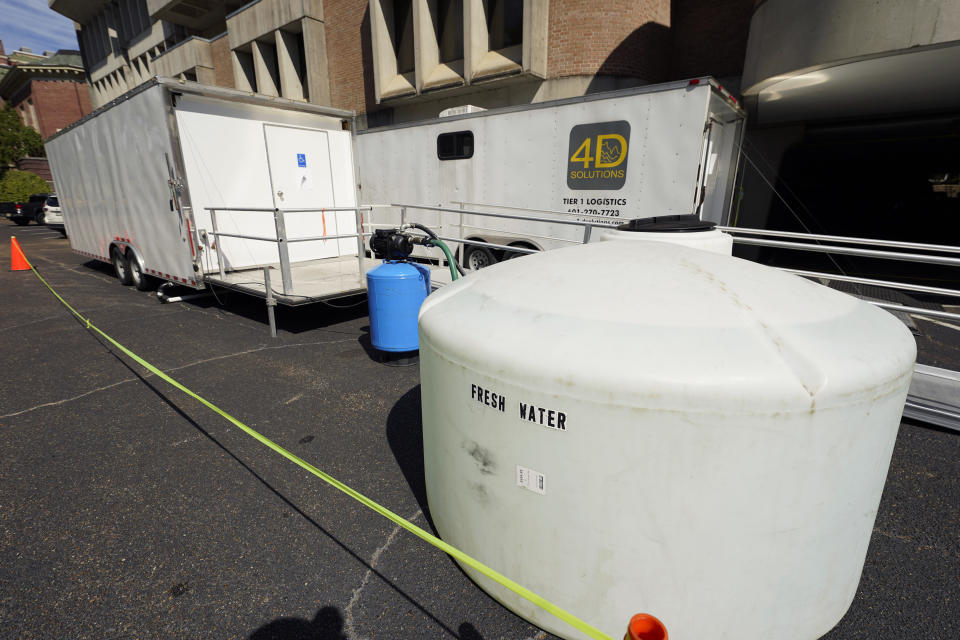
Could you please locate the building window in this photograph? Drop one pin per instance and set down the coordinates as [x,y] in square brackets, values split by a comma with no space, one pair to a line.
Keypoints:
[402,35]
[292,62]
[244,75]
[394,62]
[455,146]
[439,33]
[449,29]
[421,45]
[504,23]
[266,67]
[133,19]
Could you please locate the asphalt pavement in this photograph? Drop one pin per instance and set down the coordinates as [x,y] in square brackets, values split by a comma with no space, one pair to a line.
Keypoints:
[128,510]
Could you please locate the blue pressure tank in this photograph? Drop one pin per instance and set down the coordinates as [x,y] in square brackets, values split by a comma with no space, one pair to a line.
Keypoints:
[395,291]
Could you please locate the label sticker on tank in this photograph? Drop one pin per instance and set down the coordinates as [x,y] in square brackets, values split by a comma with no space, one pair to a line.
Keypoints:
[550,418]
[532,480]
[488,398]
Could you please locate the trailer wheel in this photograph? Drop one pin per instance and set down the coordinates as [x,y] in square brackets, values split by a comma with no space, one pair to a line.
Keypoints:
[139,279]
[120,267]
[478,258]
[512,255]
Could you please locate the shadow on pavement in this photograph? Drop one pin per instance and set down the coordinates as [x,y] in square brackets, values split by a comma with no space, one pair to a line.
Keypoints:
[405,436]
[326,625]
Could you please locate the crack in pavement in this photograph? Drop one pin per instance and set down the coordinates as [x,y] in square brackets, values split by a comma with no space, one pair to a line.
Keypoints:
[348,629]
[65,400]
[179,368]
[27,324]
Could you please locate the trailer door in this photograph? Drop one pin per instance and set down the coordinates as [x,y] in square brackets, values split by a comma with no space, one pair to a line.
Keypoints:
[312,169]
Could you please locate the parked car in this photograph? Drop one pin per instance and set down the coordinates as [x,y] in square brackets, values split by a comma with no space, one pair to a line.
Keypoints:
[52,215]
[11,211]
[23,212]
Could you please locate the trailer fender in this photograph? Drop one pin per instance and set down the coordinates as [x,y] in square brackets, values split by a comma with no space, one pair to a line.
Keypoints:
[127,249]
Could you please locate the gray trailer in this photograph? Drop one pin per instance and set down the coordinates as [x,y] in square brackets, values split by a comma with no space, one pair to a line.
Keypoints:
[656,150]
[200,185]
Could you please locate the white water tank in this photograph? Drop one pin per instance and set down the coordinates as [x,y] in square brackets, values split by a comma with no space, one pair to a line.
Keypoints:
[685,230]
[629,427]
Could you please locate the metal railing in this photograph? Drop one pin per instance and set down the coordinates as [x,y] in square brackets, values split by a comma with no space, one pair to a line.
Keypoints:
[916,255]
[282,240]
[903,251]
[738,232]
[587,226]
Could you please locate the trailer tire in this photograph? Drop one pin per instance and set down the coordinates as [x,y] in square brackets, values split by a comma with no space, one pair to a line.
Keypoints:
[512,255]
[139,279]
[120,267]
[478,258]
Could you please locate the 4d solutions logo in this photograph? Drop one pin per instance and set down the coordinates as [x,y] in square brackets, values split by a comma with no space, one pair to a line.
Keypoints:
[598,155]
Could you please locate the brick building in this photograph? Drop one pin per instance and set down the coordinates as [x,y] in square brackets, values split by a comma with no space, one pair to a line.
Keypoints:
[397,60]
[48,90]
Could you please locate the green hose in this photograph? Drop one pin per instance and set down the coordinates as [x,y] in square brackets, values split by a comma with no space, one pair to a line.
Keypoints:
[450,260]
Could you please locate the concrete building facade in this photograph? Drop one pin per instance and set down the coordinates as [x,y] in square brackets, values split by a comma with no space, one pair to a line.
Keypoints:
[398,60]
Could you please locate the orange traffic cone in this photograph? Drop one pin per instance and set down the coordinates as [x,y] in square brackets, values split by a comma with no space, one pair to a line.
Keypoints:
[18,261]
[643,626]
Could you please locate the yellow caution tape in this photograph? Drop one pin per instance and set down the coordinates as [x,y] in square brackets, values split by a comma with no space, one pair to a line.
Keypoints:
[452,551]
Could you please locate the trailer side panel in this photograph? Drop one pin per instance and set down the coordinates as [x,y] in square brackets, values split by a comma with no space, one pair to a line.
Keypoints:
[112,179]
[253,156]
[602,158]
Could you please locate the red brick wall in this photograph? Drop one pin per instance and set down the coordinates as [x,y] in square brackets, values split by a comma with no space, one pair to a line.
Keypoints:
[39,166]
[614,37]
[222,63]
[59,103]
[349,54]
[709,38]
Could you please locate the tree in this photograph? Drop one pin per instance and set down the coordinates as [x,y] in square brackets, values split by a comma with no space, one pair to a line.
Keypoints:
[16,139]
[18,186]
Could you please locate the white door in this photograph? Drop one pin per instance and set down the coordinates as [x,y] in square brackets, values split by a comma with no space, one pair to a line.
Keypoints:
[307,172]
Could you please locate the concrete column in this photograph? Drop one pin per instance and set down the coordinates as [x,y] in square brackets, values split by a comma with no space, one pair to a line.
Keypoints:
[205,75]
[288,61]
[475,37]
[265,67]
[242,70]
[536,14]
[426,50]
[384,59]
[94,94]
[135,75]
[315,52]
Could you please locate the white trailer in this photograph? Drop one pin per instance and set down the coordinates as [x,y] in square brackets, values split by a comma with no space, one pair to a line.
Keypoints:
[202,185]
[606,158]
[138,178]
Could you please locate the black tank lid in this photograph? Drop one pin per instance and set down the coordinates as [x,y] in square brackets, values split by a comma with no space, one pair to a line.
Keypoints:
[668,224]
